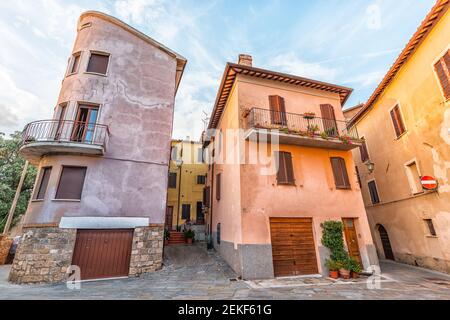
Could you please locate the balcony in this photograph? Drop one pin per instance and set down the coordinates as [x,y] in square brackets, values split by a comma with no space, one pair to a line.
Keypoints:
[63,136]
[301,130]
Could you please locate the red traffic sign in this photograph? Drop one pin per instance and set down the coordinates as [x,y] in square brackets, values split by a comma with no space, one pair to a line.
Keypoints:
[429,183]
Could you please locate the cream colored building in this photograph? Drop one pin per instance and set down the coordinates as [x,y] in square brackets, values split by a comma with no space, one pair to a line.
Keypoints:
[406,126]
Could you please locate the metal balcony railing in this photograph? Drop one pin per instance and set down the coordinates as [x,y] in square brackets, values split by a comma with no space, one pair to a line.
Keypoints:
[65,131]
[300,124]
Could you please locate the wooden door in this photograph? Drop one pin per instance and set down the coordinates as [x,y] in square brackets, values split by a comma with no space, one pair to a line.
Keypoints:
[293,248]
[103,253]
[169,218]
[351,238]
[387,248]
[329,120]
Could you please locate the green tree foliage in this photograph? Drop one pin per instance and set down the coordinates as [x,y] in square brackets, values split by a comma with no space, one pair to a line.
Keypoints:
[11,166]
[332,238]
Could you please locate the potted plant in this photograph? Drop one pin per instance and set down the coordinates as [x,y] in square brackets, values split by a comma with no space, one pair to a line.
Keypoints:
[324,135]
[166,236]
[309,115]
[346,139]
[344,271]
[355,267]
[333,268]
[189,236]
[312,129]
[332,238]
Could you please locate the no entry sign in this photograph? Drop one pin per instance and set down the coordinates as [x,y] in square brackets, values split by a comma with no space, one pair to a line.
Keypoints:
[429,183]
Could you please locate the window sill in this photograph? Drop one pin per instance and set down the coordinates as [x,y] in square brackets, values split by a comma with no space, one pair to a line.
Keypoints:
[401,136]
[96,74]
[66,200]
[37,200]
[71,74]
[349,188]
[432,237]
[286,184]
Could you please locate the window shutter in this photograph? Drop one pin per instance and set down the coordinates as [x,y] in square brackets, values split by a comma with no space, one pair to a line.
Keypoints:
[45,177]
[285,173]
[358,176]
[364,152]
[329,119]
[340,173]
[71,183]
[206,195]
[98,63]
[442,68]
[397,121]
[218,185]
[289,168]
[277,110]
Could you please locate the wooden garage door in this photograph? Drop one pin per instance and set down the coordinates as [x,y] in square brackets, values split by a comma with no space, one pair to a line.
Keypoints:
[103,253]
[293,248]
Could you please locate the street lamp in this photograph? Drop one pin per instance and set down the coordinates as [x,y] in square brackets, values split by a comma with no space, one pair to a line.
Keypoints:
[370,166]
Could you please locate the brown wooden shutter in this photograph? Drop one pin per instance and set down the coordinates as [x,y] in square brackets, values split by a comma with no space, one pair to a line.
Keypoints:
[363,151]
[329,119]
[285,173]
[218,185]
[340,173]
[277,110]
[206,195]
[442,68]
[358,176]
[397,120]
[71,183]
[289,168]
[45,177]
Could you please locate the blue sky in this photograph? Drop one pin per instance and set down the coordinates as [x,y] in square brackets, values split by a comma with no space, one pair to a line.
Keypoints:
[347,42]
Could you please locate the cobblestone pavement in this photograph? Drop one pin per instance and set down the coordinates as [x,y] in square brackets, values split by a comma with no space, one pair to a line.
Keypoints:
[192,273]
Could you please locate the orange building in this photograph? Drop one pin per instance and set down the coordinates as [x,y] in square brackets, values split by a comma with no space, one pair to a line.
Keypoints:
[265,215]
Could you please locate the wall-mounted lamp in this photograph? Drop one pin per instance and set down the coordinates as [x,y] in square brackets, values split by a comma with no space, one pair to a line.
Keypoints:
[370,166]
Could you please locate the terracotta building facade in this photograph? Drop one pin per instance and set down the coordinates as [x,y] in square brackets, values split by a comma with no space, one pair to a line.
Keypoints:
[99,201]
[264,217]
[406,126]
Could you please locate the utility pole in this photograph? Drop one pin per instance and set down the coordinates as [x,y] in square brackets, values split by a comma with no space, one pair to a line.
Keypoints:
[16,198]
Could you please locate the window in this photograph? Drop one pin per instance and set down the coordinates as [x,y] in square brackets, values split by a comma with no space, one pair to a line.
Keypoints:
[200,155]
[397,121]
[206,195]
[71,183]
[201,179]
[218,185]
[174,153]
[98,63]
[84,126]
[373,192]
[173,180]
[277,110]
[340,173]
[200,216]
[186,212]
[60,130]
[76,57]
[363,151]
[285,173]
[413,175]
[218,233]
[329,120]
[430,226]
[442,68]
[43,183]
[358,176]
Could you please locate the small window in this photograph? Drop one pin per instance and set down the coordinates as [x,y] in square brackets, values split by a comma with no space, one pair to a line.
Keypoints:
[430,226]
[218,233]
[172,180]
[397,121]
[340,173]
[412,172]
[43,183]
[285,172]
[218,185]
[358,176]
[363,151]
[98,63]
[71,183]
[201,179]
[200,155]
[206,195]
[76,57]
[442,69]
[186,212]
[373,192]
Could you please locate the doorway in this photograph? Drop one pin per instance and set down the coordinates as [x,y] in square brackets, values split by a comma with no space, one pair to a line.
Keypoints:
[84,126]
[351,238]
[169,218]
[387,248]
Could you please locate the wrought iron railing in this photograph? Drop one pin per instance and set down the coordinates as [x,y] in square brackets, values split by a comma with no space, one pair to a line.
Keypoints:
[65,131]
[301,124]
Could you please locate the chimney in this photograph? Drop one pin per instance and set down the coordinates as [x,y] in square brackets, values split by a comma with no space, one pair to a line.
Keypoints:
[245,60]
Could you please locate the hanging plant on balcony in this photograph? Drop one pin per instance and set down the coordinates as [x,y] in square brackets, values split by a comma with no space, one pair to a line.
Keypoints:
[346,139]
[312,129]
[324,135]
[309,115]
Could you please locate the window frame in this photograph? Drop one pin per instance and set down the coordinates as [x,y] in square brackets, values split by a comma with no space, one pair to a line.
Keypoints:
[39,180]
[402,119]
[70,71]
[433,68]
[204,179]
[287,182]
[431,229]
[344,187]
[410,178]
[59,183]
[169,186]
[185,205]
[101,53]
[378,193]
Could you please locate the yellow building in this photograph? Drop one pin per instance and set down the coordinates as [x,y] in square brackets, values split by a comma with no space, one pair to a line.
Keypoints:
[406,126]
[187,175]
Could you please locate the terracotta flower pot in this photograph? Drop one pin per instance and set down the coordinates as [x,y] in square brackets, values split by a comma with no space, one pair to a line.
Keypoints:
[189,240]
[334,274]
[166,241]
[355,275]
[345,274]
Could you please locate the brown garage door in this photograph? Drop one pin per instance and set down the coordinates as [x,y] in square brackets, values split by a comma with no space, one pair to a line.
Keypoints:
[293,247]
[103,253]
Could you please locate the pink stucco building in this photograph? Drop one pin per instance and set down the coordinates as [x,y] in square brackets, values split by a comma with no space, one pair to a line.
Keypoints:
[100,195]
[264,217]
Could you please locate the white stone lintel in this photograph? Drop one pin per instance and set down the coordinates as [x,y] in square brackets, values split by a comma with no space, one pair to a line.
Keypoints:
[102,222]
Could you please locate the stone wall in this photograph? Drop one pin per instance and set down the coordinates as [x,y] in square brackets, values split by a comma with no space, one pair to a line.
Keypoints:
[147,250]
[5,245]
[437,264]
[43,255]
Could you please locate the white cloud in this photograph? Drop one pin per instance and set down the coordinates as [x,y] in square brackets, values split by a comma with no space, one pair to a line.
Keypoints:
[291,63]
[367,79]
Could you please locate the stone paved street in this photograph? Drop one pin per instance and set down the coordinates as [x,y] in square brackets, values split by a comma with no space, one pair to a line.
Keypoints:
[192,273]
